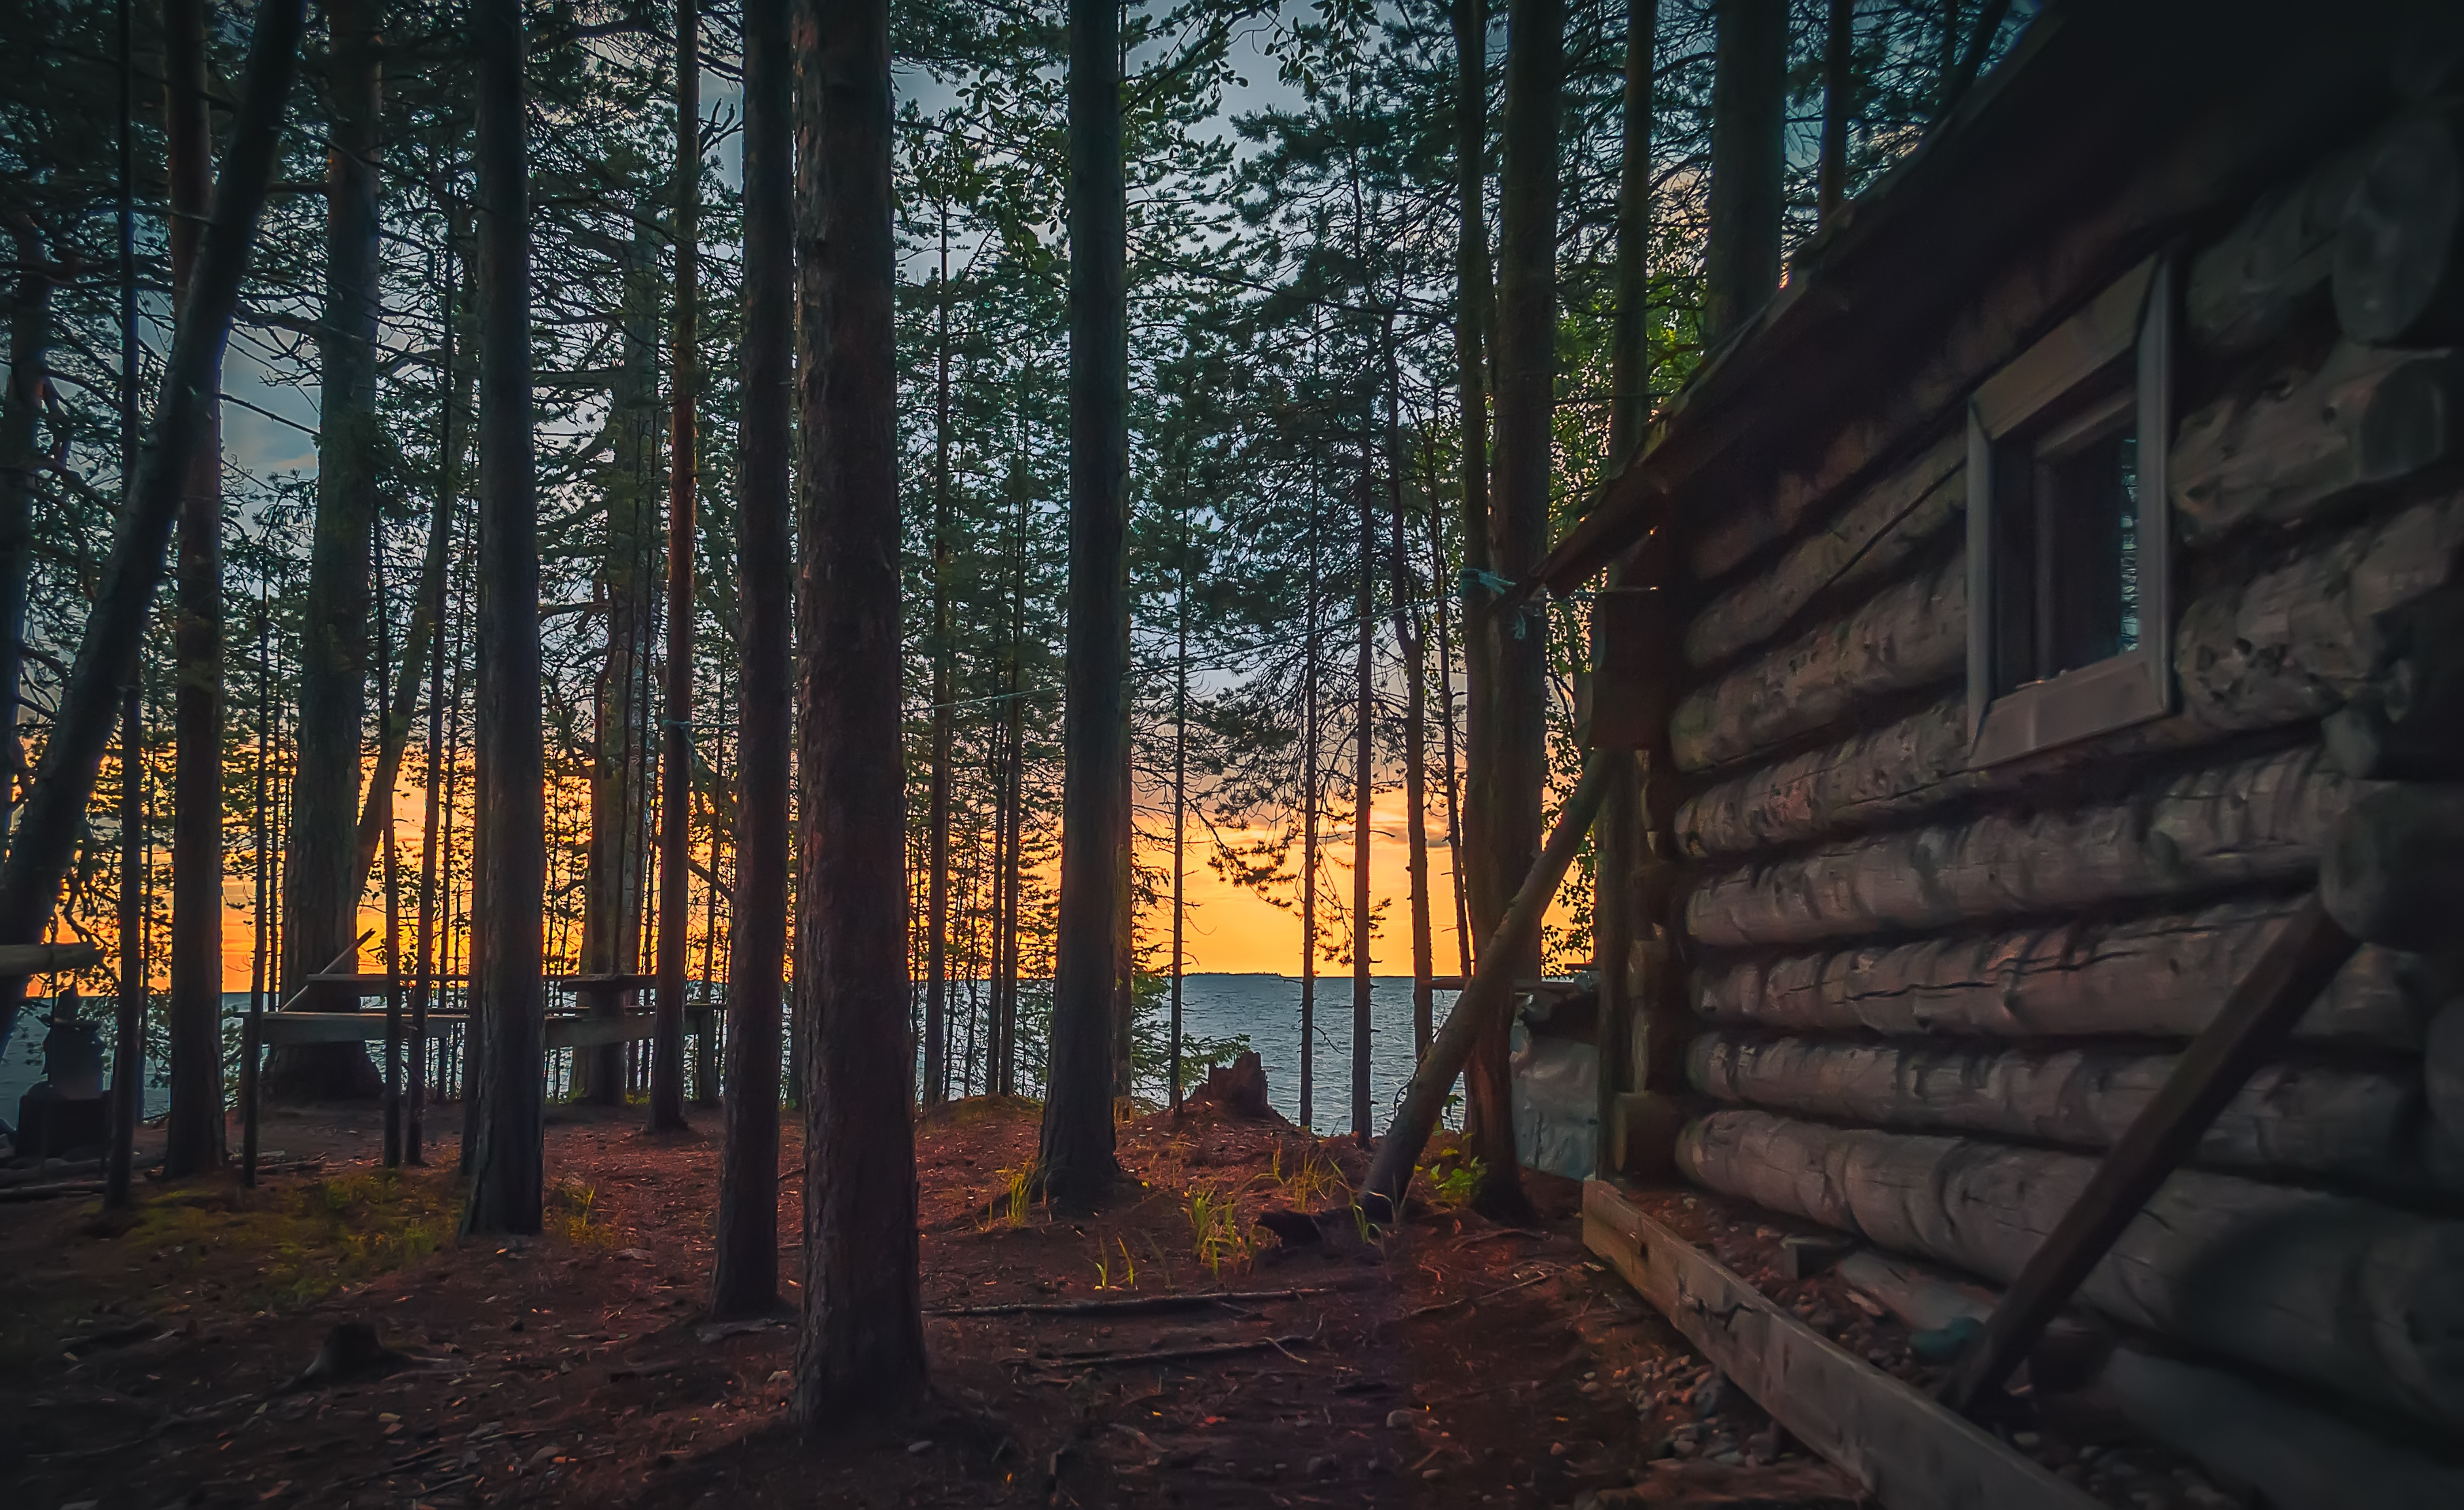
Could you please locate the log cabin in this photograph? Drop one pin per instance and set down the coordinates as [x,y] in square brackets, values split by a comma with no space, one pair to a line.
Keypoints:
[2009,617]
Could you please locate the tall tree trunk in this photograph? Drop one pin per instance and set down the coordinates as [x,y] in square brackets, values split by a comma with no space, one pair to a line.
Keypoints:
[1619,846]
[21,421]
[511,831]
[108,653]
[1308,822]
[1409,642]
[1124,922]
[1518,770]
[321,888]
[862,1348]
[1838,105]
[1077,1140]
[1363,800]
[128,1050]
[936,920]
[1180,805]
[611,897]
[744,1269]
[1748,115]
[1003,1038]
[676,744]
[1476,878]
[193,1131]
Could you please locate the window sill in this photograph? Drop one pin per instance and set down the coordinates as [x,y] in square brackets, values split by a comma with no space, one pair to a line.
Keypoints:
[2113,694]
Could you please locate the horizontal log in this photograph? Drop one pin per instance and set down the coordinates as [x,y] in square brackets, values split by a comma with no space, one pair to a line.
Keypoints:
[1908,636]
[2246,288]
[2343,1292]
[2157,977]
[2285,647]
[2395,869]
[2250,822]
[2399,266]
[1875,535]
[2367,416]
[2359,1125]
[18,960]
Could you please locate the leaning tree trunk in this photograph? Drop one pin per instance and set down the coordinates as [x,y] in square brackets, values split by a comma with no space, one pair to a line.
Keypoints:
[1748,115]
[193,1131]
[320,891]
[744,1264]
[1077,1138]
[1511,787]
[862,1348]
[108,652]
[509,872]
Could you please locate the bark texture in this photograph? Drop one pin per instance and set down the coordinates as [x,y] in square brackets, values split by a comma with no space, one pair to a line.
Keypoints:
[861,1350]
[2251,822]
[2248,285]
[509,868]
[321,888]
[1077,1138]
[744,1266]
[2332,1290]
[2164,976]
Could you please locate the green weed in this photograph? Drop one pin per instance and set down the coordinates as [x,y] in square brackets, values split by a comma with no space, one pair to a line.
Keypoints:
[1219,1236]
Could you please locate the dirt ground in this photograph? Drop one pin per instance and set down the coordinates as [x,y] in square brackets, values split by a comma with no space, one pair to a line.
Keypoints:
[149,1362]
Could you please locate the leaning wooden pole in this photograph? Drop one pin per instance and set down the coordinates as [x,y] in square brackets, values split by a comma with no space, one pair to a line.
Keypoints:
[744,1266]
[1490,995]
[510,829]
[675,726]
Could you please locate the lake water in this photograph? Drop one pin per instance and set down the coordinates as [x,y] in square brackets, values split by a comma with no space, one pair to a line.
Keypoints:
[1265,1009]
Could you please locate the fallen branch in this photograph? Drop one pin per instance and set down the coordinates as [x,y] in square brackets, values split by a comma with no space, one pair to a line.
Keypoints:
[1193,1301]
[1173,1354]
[1475,1299]
[48,1192]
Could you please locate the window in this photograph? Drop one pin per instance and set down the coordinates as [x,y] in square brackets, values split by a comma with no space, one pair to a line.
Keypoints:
[2070,610]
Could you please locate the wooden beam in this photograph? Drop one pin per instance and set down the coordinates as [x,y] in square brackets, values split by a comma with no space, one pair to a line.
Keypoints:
[2254,1027]
[563,1030]
[19,960]
[1907,1452]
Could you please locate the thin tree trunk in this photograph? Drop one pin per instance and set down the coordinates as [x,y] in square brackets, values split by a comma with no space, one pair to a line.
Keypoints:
[389,953]
[321,890]
[1838,104]
[1179,804]
[862,1347]
[1476,876]
[1511,788]
[937,921]
[193,1132]
[1748,115]
[21,418]
[1125,939]
[675,753]
[611,894]
[1454,845]
[108,653]
[128,1050]
[1363,799]
[1408,641]
[424,989]
[1629,338]
[1003,1038]
[744,1270]
[1308,820]
[509,869]
[1077,1138]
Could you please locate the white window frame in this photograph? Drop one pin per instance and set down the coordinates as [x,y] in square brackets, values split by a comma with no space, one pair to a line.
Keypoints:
[2131,317]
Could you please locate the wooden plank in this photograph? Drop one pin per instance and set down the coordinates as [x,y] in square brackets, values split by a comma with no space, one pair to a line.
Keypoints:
[2254,1025]
[1908,1452]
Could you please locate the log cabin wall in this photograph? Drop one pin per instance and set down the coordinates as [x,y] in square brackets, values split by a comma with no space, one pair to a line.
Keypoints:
[1926,994]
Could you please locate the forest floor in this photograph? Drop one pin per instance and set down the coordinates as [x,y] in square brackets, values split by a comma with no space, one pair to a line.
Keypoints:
[146,1362]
